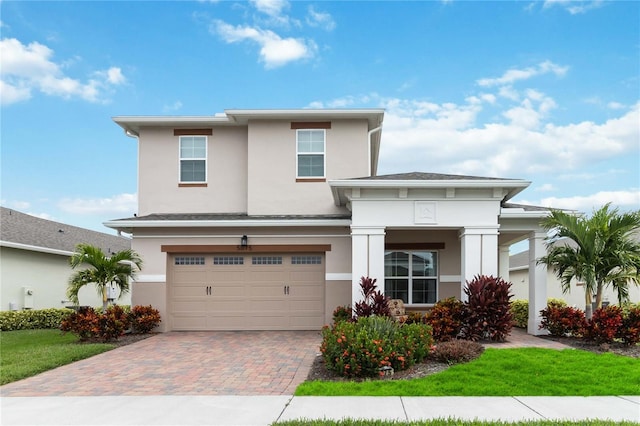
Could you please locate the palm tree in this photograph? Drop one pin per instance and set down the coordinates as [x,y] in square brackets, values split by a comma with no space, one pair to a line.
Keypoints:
[605,252]
[103,271]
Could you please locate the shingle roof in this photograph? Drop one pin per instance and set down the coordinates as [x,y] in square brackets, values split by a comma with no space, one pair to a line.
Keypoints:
[525,207]
[426,176]
[229,216]
[24,229]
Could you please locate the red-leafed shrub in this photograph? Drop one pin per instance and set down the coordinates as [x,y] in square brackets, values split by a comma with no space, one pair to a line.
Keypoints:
[446,319]
[84,322]
[144,319]
[563,321]
[456,351]
[604,325]
[629,332]
[363,348]
[415,318]
[113,323]
[487,313]
[373,302]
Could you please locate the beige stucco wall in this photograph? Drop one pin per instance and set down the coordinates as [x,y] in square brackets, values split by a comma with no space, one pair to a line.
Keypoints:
[46,274]
[575,297]
[272,186]
[158,164]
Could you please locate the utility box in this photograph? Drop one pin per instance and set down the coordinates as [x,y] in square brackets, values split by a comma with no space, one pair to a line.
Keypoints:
[27,298]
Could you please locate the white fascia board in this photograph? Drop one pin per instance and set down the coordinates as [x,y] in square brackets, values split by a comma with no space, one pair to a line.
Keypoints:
[373,115]
[119,224]
[35,248]
[522,214]
[134,123]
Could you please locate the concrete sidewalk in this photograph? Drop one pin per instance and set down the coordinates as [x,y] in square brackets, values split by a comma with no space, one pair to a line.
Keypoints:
[264,410]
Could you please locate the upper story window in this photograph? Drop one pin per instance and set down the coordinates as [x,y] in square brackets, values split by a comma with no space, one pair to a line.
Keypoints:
[193,159]
[310,153]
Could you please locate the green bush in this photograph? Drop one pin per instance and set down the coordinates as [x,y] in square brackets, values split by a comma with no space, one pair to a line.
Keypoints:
[364,347]
[456,351]
[556,303]
[342,313]
[446,319]
[520,312]
[32,319]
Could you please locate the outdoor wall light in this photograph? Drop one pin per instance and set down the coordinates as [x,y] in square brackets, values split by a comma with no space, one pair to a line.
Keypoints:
[243,241]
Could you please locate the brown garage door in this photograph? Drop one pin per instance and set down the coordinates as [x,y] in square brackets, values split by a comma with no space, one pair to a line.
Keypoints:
[246,291]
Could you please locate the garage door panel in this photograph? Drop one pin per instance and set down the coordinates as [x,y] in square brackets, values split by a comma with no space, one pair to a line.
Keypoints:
[246,295]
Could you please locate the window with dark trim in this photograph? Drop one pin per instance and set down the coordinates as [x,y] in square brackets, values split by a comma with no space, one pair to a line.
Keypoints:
[189,260]
[411,276]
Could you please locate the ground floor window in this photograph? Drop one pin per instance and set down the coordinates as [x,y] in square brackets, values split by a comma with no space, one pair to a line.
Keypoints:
[411,276]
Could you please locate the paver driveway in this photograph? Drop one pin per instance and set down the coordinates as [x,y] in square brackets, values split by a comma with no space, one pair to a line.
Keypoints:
[185,363]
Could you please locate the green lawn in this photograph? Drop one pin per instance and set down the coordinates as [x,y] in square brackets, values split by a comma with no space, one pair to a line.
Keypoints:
[449,422]
[507,372]
[25,353]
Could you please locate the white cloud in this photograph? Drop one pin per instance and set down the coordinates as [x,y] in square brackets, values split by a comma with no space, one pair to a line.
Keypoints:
[615,105]
[547,187]
[320,19]
[118,204]
[623,199]
[17,204]
[26,68]
[272,8]
[275,51]
[513,75]
[574,7]
[173,107]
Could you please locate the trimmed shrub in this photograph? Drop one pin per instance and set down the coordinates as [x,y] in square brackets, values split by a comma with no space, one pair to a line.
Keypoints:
[84,322]
[362,348]
[446,319]
[373,302]
[91,325]
[563,321]
[32,319]
[556,303]
[487,313]
[629,331]
[414,317]
[604,325]
[342,313]
[143,319]
[520,312]
[456,351]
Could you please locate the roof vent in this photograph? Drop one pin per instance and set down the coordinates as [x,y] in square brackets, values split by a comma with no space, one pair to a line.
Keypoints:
[61,231]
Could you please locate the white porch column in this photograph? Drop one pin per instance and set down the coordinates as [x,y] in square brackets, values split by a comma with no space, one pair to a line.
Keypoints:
[479,254]
[367,258]
[537,283]
[503,262]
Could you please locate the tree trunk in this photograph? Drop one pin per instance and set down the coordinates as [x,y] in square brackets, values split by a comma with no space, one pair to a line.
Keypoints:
[588,311]
[599,297]
[104,299]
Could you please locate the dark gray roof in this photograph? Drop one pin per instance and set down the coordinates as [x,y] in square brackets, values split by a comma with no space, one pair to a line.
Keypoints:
[230,216]
[426,176]
[21,228]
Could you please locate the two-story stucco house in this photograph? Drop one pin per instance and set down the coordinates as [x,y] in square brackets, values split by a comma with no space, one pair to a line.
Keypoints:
[267,219]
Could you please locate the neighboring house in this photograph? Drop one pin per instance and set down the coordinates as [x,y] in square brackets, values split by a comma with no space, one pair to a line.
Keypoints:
[34,261]
[519,276]
[267,219]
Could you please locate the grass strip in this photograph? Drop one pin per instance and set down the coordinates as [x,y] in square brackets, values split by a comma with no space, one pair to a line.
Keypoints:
[507,372]
[25,353]
[451,422]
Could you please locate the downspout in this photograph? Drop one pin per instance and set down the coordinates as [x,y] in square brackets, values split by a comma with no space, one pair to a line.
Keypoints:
[369,135]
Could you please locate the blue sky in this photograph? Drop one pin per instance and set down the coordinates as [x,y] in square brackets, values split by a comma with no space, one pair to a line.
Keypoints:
[547,91]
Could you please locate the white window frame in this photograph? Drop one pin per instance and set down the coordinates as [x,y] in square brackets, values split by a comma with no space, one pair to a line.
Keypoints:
[410,277]
[323,153]
[205,158]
